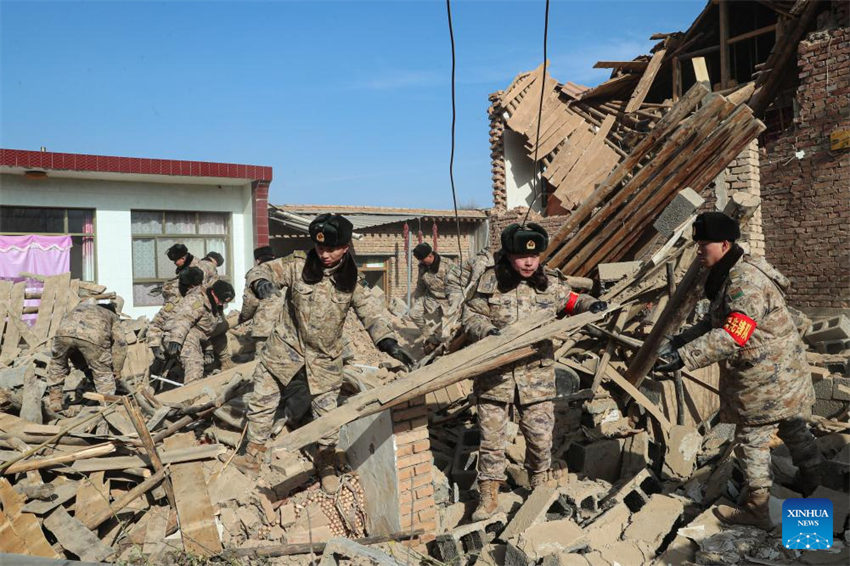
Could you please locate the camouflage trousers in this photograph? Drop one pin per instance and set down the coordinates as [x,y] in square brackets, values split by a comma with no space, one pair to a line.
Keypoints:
[754,448]
[279,364]
[537,421]
[157,326]
[427,315]
[98,359]
[192,352]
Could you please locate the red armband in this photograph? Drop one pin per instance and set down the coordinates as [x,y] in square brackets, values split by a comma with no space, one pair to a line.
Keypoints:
[740,327]
[571,303]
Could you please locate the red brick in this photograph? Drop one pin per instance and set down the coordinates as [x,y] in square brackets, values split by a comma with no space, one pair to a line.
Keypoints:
[410,413]
[413,460]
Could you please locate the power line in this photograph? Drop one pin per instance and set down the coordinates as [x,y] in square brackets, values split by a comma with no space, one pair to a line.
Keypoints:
[454,120]
[535,185]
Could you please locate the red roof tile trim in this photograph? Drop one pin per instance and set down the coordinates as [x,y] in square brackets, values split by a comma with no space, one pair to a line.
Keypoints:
[133,165]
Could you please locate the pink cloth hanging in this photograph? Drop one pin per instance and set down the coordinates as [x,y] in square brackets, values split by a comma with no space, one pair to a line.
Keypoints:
[42,255]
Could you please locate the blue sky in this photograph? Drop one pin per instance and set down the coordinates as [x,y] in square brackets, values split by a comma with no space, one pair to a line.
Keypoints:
[349,102]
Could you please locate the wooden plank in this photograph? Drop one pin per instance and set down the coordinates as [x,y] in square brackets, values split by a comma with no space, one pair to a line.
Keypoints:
[611,86]
[197,388]
[10,541]
[197,518]
[155,533]
[92,497]
[569,154]
[12,337]
[138,360]
[204,452]
[568,183]
[65,491]
[145,436]
[651,408]
[646,81]
[724,43]
[74,537]
[25,525]
[45,306]
[60,303]
[701,71]
[5,294]
[549,142]
[50,461]
[624,65]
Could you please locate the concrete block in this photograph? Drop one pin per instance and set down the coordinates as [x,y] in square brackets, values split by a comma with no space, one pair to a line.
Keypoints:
[655,520]
[597,460]
[583,496]
[538,541]
[611,272]
[468,539]
[532,511]
[680,457]
[628,553]
[840,367]
[635,454]
[829,329]
[679,210]
[840,506]
[833,346]
[823,388]
[841,388]
[634,492]
[828,408]
[608,527]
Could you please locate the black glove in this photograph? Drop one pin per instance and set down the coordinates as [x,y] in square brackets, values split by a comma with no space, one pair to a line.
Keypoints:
[674,362]
[390,346]
[598,306]
[172,349]
[157,353]
[494,332]
[264,288]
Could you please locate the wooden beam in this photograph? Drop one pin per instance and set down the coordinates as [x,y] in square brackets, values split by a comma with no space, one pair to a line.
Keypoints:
[625,65]
[753,33]
[642,89]
[95,520]
[724,43]
[699,52]
[701,71]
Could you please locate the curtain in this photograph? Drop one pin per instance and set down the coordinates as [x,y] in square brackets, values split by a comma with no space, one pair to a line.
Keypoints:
[42,255]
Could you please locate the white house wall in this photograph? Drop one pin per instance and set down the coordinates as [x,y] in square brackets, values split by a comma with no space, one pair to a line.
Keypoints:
[113,201]
[519,172]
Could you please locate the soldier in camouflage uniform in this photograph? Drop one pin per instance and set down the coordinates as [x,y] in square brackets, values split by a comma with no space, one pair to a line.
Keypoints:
[94,332]
[179,254]
[517,287]
[321,286]
[194,323]
[250,301]
[766,384]
[430,301]
[460,278]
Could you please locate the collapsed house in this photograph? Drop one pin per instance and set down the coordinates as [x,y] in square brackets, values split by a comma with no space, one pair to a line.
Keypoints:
[644,459]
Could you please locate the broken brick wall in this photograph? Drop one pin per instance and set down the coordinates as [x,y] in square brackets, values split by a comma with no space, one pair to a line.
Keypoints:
[414,463]
[742,175]
[805,186]
[501,219]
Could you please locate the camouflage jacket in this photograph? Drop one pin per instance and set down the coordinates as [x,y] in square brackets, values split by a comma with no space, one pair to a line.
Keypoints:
[431,284]
[250,302]
[193,311]
[102,327]
[489,308]
[460,278]
[171,290]
[751,333]
[312,318]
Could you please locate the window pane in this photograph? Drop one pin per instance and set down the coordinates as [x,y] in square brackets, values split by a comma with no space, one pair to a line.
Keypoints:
[144,261]
[82,258]
[180,223]
[212,223]
[146,222]
[32,220]
[220,246]
[80,220]
[142,296]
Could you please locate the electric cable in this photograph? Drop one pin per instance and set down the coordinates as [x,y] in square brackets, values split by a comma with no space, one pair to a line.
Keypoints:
[454,120]
[535,181]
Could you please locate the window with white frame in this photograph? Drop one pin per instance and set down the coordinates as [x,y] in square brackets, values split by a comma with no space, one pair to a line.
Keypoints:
[75,222]
[154,231]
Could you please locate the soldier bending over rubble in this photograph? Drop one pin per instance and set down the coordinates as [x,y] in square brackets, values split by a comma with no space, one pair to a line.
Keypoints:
[320,288]
[517,287]
[765,385]
[91,335]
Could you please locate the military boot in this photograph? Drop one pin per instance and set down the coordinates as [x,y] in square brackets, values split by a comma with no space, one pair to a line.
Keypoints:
[754,511]
[54,399]
[249,463]
[325,463]
[488,503]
